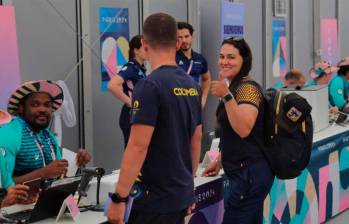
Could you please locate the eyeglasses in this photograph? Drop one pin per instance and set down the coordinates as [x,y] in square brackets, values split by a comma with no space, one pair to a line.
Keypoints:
[234,38]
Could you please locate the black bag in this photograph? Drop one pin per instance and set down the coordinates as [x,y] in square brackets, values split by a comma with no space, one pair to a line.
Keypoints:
[288,133]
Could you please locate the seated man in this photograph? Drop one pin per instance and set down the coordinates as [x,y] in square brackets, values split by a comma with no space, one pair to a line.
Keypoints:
[30,148]
[9,194]
[292,78]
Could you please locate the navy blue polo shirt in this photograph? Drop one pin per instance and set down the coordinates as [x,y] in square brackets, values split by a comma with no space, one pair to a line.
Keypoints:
[168,99]
[195,66]
[131,72]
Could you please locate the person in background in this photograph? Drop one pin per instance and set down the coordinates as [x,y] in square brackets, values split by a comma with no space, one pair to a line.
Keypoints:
[29,147]
[122,85]
[292,78]
[193,63]
[321,74]
[338,87]
[165,138]
[10,193]
[240,116]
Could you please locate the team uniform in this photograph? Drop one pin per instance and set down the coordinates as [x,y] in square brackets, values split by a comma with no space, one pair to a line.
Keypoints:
[247,173]
[169,101]
[338,92]
[195,66]
[131,72]
[26,150]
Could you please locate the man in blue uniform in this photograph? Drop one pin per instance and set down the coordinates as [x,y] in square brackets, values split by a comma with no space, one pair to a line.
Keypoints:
[122,85]
[165,137]
[193,63]
[338,87]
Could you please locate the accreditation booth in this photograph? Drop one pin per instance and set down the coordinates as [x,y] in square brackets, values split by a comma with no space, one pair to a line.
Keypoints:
[319,193]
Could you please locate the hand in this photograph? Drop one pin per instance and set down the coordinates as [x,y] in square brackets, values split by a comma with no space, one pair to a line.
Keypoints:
[334,110]
[116,213]
[219,88]
[55,169]
[82,157]
[15,195]
[191,209]
[212,169]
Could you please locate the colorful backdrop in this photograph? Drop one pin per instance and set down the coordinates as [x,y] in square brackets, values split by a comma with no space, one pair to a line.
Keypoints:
[9,62]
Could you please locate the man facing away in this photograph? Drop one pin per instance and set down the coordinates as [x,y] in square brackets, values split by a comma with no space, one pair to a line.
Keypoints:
[164,144]
[193,63]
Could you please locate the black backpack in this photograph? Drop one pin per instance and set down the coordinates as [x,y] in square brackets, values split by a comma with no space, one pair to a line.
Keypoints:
[288,133]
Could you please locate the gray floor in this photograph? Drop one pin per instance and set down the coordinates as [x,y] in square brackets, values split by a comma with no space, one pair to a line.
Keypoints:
[342,218]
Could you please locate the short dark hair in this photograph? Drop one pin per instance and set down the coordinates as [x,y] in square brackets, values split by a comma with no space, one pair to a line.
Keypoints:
[245,52]
[160,31]
[343,70]
[135,43]
[185,25]
[293,75]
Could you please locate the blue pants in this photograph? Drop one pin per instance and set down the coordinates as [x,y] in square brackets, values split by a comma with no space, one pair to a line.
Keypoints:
[244,193]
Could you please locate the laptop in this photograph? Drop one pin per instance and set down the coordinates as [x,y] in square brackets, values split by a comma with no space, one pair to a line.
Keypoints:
[343,115]
[49,202]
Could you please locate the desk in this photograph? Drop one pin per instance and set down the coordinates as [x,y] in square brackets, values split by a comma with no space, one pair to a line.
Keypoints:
[319,193]
[322,190]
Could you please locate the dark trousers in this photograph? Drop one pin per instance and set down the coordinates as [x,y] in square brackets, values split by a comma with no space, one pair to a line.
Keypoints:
[124,123]
[138,217]
[244,193]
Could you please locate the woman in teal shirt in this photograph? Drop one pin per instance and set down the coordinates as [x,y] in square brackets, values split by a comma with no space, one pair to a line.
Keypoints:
[338,87]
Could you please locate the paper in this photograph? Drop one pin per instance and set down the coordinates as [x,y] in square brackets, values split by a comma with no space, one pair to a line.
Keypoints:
[209,157]
[70,156]
[72,206]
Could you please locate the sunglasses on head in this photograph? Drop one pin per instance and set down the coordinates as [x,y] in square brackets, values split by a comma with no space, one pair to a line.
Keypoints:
[234,38]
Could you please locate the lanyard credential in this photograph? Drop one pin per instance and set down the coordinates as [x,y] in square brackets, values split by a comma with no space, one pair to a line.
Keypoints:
[40,147]
[190,66]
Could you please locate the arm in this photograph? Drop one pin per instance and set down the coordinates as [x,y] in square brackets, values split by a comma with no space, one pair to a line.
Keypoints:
[196,148]
[115,87]
[336,90]
[242,117]
[205,87]
[54,169]
[134,156]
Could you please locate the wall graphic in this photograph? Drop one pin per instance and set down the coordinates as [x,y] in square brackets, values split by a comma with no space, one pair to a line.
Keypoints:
[114,29]
[279,47]
[9,61]
[232,19]
[329,40]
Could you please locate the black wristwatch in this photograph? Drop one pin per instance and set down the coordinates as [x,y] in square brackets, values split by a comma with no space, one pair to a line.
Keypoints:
[227,97]
[3,193]
[116,198]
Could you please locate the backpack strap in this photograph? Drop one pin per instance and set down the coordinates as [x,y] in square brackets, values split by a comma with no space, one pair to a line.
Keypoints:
[304,127]
[277,108]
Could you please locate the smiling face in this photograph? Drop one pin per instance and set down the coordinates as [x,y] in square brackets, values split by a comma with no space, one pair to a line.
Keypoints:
[37,110]
[230,61]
